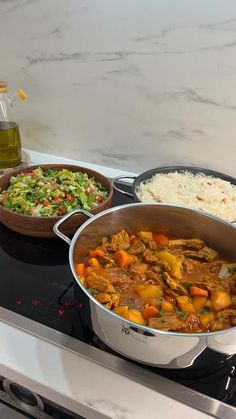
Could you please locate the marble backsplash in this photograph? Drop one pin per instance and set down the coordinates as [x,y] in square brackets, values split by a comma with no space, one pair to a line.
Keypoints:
[131,84]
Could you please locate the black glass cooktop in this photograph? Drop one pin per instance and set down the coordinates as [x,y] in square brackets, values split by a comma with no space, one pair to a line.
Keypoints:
[36,282]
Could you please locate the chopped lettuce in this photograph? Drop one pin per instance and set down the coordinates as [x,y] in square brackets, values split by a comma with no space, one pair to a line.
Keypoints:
[50,192]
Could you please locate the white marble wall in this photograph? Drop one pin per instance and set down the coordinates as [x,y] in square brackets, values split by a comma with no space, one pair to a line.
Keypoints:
[131,84]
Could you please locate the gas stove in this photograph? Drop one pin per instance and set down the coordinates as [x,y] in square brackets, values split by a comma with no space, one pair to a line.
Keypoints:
[37,284]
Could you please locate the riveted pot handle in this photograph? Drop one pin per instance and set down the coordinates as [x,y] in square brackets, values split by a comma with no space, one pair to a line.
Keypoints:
[66,217]
[130,195]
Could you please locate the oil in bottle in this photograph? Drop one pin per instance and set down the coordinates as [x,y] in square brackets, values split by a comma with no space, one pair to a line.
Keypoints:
[10,140]
[10,144]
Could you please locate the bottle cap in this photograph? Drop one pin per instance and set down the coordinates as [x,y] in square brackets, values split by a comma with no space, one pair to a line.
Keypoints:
[21,94]
[3,86]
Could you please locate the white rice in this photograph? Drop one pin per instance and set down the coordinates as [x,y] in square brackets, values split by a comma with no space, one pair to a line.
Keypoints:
[206,193]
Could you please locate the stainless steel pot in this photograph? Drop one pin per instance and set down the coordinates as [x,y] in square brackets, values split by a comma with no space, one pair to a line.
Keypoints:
[150,346]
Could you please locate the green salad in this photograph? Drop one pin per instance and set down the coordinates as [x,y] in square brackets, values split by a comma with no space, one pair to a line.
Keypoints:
[51,193]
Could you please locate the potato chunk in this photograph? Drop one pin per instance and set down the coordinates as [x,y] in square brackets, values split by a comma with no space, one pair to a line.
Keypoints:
[206,319]
[220,299]
[173,261]
[149,291]
[185,304]
[199,302]
[134,316]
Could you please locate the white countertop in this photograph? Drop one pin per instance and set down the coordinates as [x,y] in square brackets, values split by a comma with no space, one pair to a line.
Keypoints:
[39,158]
[72,380]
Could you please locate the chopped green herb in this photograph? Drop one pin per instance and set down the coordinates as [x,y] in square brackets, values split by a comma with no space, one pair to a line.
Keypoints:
[205,310]
[160,312]
[187,285]
[131,299]
[180,313]
[158,299]
[163,321]
[92,291]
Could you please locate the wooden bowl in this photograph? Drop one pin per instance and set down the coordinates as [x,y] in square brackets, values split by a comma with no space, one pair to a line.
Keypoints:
[43,226]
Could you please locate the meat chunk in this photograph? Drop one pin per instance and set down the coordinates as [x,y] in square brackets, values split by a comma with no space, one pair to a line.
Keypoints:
[150,244]
[186,244]
[109,300]
[213,267]
[105,260]
[232,284]
[206,253]
[225,319]
[150,256]
[137,247]
[168,321]
[117,276]
[99,283]
[190,265]
[119,241]
[138,271]
[161,266]
[211,283]
[174,285]
[155,278]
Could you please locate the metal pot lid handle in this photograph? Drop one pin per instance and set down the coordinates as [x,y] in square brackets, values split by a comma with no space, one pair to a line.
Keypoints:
[130,195]
[63,219]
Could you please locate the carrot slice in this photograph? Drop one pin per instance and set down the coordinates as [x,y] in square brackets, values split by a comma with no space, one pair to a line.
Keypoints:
[149,312]
[96,252]
[160,239]
[80,269]
[123,259]
[198,291]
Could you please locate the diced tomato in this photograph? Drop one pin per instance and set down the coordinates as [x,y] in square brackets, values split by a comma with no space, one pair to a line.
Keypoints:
[31,174]
[99,198]
[46,202]
[70,197]
[90,189]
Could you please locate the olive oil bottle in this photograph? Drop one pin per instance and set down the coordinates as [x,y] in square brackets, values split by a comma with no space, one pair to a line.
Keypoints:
[10,140]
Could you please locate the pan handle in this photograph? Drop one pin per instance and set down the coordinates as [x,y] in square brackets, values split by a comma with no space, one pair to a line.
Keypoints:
[130,195]
[61,221]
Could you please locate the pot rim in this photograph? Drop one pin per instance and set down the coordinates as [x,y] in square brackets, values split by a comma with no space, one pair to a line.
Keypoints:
[112,313]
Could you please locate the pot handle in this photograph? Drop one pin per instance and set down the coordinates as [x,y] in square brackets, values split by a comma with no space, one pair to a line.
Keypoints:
[61,221]
[130,195]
